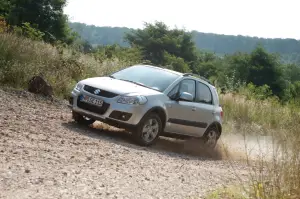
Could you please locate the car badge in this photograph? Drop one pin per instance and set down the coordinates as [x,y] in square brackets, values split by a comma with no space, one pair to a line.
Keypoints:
[97,91]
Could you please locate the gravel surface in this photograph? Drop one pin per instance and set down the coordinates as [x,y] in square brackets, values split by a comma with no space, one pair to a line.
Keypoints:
[44,154]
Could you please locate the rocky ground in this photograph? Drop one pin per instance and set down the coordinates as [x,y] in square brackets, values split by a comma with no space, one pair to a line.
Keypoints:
[44,154]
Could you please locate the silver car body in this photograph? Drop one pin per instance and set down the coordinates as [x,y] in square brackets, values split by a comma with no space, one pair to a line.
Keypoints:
[180,117]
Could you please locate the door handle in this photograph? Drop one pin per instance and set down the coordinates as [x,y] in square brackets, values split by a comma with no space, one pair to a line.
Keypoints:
[194,108]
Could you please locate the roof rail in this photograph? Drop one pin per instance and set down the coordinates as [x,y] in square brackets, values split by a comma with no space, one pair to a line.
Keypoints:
[192,74]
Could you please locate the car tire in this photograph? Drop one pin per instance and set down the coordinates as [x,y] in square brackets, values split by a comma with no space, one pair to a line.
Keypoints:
[210,138]
[80,119]
[148,130]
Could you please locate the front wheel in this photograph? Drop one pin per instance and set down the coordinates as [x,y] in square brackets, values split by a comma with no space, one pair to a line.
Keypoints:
[148,130]
[80,119]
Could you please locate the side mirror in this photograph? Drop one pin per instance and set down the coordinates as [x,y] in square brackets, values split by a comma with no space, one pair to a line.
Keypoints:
[184,96]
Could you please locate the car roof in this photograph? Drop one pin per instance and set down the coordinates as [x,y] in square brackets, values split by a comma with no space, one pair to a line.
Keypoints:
[178,73]
[160,68]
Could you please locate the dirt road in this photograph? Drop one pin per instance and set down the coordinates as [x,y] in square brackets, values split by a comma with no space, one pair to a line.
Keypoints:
[43,154]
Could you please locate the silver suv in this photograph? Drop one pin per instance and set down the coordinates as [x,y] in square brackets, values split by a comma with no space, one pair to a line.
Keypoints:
[150,102]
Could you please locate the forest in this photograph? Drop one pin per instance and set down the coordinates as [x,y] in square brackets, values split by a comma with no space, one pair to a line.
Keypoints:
[288,49]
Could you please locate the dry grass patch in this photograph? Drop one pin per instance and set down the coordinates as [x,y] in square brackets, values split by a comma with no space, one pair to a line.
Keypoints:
[21,59]
[271,144]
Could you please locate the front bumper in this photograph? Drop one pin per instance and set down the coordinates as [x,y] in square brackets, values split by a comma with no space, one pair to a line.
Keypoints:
[115,114]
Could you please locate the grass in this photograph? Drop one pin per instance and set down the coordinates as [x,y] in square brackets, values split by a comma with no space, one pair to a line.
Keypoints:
[21,59]
[232,192]
[276,176]
[268,114]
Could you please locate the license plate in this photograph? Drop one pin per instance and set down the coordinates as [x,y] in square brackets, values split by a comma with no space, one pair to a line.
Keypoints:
[91,100]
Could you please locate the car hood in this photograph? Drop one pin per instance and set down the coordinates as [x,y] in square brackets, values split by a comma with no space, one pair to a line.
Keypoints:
[118,86]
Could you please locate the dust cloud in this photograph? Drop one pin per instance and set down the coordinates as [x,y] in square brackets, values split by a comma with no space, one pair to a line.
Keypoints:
[236,147]
[229,147]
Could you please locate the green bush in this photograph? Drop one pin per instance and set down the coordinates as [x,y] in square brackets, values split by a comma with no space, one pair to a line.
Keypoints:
[256,92]
[28,31]
[175,63]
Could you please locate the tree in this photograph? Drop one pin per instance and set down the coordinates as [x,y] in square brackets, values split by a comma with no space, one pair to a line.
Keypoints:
[155,40]
[5,7]
[292,72]
[264,69]
[205,65]
[207,69]
[239,63]
[44,15]
[175,63]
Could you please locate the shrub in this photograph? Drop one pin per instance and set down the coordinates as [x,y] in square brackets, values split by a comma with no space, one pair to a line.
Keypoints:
[3,25]
[175,63]
[28,31]
[256,92]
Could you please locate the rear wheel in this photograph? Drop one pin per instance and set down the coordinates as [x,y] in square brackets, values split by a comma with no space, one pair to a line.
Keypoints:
[80,119]
[211,137]
[148,130]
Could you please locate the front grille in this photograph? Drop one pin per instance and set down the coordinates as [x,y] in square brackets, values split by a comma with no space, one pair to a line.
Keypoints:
[103,93]
[93,108]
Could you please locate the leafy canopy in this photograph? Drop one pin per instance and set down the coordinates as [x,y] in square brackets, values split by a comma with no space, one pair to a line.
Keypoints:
[46,16]
[160,45]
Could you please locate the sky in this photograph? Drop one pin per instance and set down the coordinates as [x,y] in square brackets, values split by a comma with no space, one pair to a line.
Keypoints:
[260,18]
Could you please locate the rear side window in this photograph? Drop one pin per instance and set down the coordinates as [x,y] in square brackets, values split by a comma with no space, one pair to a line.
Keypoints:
[203,94]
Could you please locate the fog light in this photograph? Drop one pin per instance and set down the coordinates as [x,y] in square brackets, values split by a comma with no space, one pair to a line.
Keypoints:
[120,115]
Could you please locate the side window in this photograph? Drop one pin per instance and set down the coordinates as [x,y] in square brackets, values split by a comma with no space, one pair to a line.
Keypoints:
[172,94]
[188,86]
[203,94]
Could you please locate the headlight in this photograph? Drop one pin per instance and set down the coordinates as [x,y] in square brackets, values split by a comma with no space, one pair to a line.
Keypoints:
[78,86]
[132,100]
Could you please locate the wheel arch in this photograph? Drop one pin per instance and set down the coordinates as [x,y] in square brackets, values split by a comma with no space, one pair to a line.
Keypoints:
[160,112]
[216,125]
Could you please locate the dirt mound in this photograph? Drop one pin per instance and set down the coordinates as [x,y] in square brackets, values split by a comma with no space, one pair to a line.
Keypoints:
[38,85]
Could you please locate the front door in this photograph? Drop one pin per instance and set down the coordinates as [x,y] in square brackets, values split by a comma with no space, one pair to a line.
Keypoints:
[183,115]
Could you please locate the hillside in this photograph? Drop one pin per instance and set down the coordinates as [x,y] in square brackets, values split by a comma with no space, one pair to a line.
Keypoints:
[289,49]
[60,159]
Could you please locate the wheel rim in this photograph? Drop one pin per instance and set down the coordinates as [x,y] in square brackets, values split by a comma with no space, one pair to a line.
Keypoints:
[86,118]
[211,138]
[150,130]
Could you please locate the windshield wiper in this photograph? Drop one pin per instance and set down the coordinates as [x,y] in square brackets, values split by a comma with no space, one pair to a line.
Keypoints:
[111,76]
[137,83]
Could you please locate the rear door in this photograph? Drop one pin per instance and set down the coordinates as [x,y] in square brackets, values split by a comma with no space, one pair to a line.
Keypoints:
[204,107]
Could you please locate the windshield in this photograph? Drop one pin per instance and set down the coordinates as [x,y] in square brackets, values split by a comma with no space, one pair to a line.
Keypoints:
[147,76]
